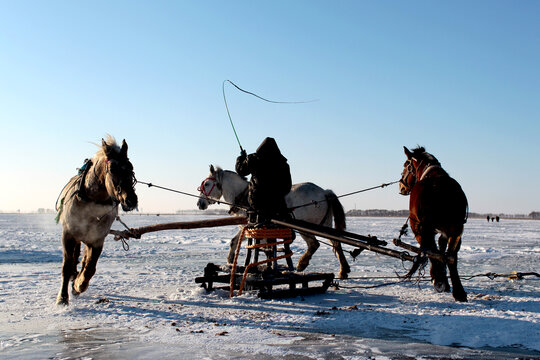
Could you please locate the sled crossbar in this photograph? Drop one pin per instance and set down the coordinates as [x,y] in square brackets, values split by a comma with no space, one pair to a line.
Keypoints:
[340,236]
[364,242]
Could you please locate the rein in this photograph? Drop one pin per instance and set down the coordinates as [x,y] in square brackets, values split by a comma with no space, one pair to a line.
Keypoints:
[218,201]
[314,202]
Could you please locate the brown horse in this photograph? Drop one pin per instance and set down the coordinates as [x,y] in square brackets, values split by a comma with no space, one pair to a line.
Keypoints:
[88,205]
[437,205]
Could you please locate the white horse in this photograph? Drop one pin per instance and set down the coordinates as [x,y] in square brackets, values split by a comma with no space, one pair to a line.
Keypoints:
[323,207]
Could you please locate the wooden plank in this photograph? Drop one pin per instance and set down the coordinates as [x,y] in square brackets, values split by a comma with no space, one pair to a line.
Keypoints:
[137,232]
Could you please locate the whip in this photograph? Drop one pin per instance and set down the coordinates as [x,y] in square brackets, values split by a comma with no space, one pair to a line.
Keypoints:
[258,97]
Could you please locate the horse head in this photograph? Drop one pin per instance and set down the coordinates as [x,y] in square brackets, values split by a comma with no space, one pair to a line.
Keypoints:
[210,189]
[119,178]
[408,175]
[418,164]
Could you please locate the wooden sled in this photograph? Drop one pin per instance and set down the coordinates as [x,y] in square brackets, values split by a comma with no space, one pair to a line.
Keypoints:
[270,283]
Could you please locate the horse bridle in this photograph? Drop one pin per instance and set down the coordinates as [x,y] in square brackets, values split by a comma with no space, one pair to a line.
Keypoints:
[411,171]
[118,188]
[202,189]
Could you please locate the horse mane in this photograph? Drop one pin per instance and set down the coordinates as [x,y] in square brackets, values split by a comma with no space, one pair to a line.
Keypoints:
[109,141]
[219,170]
[420,153]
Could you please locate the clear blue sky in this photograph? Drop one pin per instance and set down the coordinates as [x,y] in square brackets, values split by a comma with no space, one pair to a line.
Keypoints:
[461,78]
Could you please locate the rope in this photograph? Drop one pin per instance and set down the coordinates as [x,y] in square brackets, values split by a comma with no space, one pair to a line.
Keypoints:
[268,233]
[125,244]
[514,275]
[337,285]
[192,195]
[371,188]
[314,202]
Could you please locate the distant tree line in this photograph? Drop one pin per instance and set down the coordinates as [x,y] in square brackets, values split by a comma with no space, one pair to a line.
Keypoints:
[368,213]
[378,213]
[405,213]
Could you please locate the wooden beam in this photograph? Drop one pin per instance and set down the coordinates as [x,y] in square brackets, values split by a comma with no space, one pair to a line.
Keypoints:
[304,227]
[137,232]
[428,253]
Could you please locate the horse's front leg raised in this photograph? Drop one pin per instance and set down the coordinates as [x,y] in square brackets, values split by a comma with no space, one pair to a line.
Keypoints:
[88,269]
[458,292]
[70,251]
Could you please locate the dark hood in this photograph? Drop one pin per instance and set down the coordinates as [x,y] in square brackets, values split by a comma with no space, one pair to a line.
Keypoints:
[269,150]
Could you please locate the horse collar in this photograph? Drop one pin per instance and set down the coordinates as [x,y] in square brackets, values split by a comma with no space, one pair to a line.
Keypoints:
[426,171]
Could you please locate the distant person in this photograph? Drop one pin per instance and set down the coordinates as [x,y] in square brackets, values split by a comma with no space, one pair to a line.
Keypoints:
[488,218]
[270,180]
[497,218]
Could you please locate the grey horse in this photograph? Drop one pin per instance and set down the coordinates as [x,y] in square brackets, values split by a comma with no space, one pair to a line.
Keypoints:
[327,207]
[87,207]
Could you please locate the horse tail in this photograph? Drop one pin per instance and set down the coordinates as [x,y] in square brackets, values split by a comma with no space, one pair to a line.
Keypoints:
[337,210]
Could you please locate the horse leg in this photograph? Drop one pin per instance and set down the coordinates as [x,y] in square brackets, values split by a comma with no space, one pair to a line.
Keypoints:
[438,272]
[458,292]
[345,269]
[426,238]
[438,276]
[233,245]
[88,268]
[312,246]
[69,267]
[443,243]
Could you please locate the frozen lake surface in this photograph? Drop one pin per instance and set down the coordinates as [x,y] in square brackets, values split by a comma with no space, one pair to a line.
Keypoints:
[144,303]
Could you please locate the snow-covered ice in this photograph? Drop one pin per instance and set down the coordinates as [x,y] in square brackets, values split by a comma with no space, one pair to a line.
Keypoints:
[144,303]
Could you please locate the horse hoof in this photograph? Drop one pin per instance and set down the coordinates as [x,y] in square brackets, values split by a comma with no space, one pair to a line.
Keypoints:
[60,301]
[301,267]
[440,287]
[343,276]
[79,288]
[461,297]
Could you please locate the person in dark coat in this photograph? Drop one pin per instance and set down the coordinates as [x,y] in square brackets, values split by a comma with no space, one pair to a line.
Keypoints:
[270,180]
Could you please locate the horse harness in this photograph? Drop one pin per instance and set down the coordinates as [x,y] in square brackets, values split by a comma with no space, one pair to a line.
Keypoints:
[411,171]
[81,194]
[214,184]
[81,190]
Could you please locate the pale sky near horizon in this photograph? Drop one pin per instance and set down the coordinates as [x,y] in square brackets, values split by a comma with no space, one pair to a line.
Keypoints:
[460,78]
